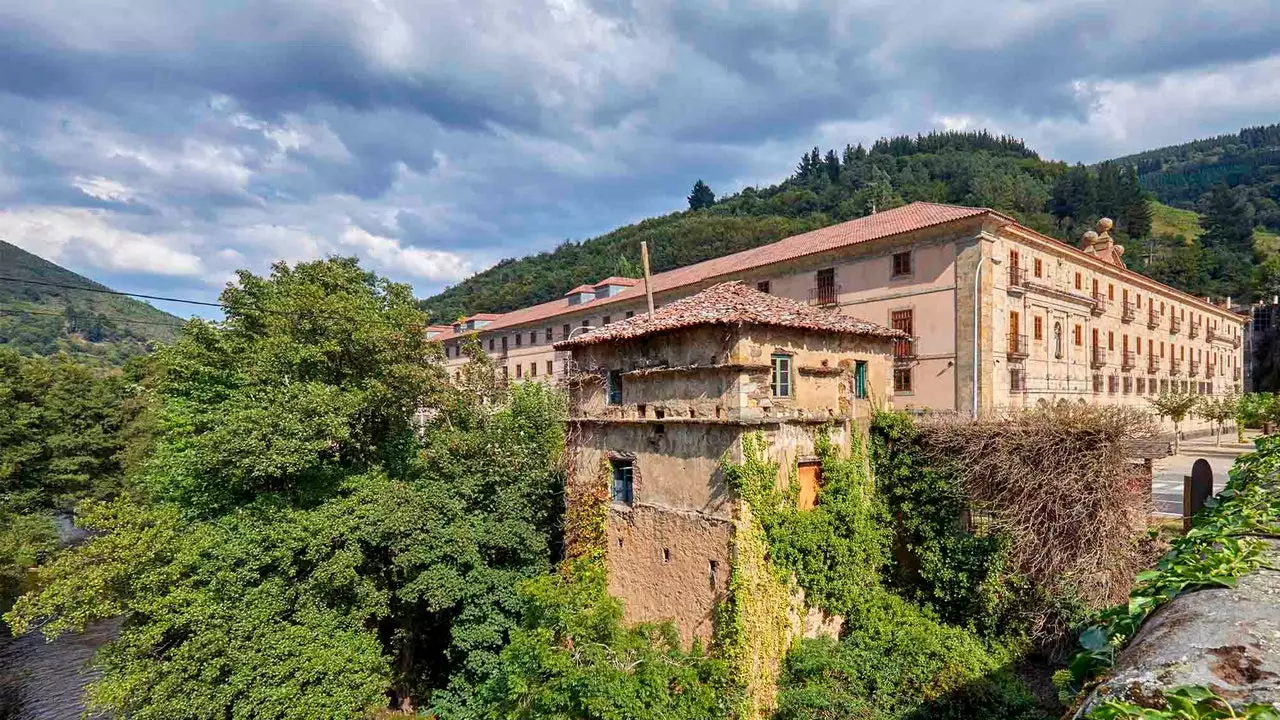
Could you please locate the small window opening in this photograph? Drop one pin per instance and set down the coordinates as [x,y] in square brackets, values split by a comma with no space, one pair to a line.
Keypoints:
[659,413]
[623,483]
[780,378]
[666,554]
[615,387]
[714,568]
[642,410]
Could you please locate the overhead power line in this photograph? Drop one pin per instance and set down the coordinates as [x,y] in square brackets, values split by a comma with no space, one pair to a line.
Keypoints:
[114,318]
[105,291]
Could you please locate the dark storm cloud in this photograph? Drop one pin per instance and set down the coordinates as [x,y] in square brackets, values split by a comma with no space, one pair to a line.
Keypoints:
[434,138]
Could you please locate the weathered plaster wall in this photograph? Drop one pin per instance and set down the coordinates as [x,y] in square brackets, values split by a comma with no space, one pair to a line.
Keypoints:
[661,565]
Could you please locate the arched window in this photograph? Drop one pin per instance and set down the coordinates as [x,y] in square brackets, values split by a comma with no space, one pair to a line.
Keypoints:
[1057,340]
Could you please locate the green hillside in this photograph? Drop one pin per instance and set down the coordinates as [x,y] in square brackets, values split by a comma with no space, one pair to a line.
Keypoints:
[1247,161]
[43,320]
[1166,220]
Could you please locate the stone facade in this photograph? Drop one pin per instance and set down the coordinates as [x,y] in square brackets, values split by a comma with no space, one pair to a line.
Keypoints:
[922,280]
[669,408]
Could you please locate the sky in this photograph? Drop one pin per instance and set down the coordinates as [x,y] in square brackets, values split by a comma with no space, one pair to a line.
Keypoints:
[158,145]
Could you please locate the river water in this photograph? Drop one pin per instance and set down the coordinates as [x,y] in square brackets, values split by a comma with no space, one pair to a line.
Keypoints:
[45,681]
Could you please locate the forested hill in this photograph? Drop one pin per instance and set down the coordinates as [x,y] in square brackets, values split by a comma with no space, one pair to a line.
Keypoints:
[39,319]
[1247,161]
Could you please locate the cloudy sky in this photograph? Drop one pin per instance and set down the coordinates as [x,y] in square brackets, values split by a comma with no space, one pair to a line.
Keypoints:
[157,145]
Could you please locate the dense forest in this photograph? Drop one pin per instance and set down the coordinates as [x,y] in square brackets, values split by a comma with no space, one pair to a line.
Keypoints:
[39,319]
[965,168]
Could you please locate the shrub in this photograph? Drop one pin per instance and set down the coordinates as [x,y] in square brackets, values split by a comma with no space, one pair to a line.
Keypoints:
[895,661]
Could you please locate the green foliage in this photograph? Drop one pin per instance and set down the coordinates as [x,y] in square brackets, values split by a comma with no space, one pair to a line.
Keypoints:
[1176,406]
[102,330]
[960,575]
[701,197]
[25,539]
[835,549]
[572,658]
[1213,553]
[308,550]
[1191,702]
[895,661]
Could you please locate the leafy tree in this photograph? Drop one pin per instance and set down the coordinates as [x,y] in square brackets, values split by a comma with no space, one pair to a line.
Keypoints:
[1218,410]
[701,197]
[308,550]
[572,657]
[1175,406]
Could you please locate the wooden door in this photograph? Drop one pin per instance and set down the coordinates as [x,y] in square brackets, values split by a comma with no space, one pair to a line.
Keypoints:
[810,481]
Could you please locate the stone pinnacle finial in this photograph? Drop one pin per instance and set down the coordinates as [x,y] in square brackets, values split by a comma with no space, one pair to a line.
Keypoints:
[1104,226]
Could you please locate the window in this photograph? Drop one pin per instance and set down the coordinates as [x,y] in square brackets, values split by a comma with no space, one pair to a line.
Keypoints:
[519,370]
[506,372]
[1096,344]
[825,292]
[533,337]
[1111,341]
[1038,270]
[860,379]
[586,322]
[780,379]
[763,286]
[902,380]
[903,320]
[504,343]
[1111,291]
[630,314]
[902,263]
[564,332]
[623,489]
[606,320]
[615,387]
[519,339]
[1039,328]
[1079,336]
[551,369]
[1013,258]
[491,341]
[548,334]
[533,369]
[1079,281]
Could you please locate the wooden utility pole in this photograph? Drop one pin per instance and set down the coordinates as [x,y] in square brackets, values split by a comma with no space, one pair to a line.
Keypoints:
[648,290]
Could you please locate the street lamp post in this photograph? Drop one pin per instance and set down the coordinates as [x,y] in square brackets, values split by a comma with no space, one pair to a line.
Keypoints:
[977,279]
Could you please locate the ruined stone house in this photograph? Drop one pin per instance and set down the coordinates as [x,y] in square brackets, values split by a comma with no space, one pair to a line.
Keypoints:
[656,403]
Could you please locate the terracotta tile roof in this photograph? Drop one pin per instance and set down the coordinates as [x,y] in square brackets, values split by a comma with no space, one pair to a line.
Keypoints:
[615,280]
[483,316]
[916,216]
[734,304]
[438,329]
[580,289]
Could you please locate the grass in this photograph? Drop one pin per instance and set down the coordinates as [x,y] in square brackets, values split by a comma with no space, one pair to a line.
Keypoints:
[1167,220]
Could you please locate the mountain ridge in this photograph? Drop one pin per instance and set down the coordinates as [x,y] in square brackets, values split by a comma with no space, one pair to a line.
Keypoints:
[39,319]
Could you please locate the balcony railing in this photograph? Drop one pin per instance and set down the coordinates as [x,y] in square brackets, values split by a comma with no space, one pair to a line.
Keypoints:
[1099,303]
[824,294]
[904,350]
[1175,367]
[1194,329]
[1153,366]
[1195,368]
[1018,347]
[1153,318]
[1128,360]
[1175,325]
[1017,279]
[1017,380]
[1098,358]
[1128,312]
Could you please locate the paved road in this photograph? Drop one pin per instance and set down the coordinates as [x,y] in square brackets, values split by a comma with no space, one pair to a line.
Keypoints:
[1166,483]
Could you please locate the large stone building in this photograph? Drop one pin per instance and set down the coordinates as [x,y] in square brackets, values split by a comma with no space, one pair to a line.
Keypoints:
[1053,321]
[657,403]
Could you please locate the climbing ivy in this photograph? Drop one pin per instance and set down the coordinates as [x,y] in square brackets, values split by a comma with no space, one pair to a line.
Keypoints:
[1214,553]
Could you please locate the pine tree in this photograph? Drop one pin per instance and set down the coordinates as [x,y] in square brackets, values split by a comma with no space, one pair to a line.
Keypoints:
[701,197]
[1136,218]
[832,164]
[1074,196]
[1227,218]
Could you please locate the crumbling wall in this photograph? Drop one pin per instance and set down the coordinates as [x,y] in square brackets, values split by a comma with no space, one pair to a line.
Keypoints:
[666,564]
